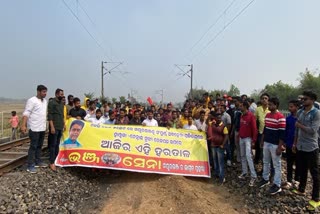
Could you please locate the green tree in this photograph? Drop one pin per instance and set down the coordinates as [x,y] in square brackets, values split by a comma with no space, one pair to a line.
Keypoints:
[104,99]
[256,94]
[196,94]
[309,81]
[122,99]
[114,100]
[233,91]
[283,91]
[216,91]
[89,95]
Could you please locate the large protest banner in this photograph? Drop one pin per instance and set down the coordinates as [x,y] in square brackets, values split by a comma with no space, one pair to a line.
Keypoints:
[134,148]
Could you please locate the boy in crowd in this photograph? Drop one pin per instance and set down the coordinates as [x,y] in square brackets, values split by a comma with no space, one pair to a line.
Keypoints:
[290,133]
[14,122]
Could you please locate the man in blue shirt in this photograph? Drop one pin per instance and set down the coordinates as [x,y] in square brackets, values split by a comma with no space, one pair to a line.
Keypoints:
[290,133]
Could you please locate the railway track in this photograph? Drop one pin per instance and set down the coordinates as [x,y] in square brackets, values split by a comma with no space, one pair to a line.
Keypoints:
[14,154]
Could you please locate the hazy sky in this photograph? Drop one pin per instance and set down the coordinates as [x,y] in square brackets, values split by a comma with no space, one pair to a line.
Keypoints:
[41,42]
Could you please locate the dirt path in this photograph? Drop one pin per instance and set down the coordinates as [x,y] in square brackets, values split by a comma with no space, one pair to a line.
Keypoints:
[152,193]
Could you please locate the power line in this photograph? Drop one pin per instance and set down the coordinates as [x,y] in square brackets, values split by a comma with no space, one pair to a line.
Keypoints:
[212,25]
[78,2]
[224,28]
[84,27]
[95,26]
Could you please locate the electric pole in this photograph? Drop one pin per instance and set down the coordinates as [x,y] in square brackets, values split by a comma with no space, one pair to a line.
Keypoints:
[132,93]
[104,68]
[102,74]
[191,74]
[186,73]
[160,92]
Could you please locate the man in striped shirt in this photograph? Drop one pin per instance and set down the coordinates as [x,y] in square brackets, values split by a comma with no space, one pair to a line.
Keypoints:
[273,141]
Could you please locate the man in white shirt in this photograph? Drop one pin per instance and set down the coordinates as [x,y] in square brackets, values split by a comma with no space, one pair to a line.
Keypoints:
[150,121]
[190,125]
[201,123]
[97,119]
[36,114]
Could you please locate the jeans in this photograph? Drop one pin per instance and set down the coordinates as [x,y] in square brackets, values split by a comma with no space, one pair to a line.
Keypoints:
[54,143]
[14,134]
[270,156]
[236,141]
[291,159]
[246,156]
[232,147]
[228,150]
[36,142]
[258,149]
[218,160]
[209,153]
[309,161]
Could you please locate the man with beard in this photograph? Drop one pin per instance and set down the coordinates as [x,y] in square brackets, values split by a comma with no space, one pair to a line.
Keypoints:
[122,118]
[136,118]
[56,126]
[70,103]
[92,108]
[111,120]
[77,112]
[150,121]
[307,147]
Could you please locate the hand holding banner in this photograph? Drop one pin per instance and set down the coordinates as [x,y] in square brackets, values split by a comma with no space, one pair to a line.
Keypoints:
[134,148]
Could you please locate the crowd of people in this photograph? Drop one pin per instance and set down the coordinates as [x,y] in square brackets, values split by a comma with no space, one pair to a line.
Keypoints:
[238,130]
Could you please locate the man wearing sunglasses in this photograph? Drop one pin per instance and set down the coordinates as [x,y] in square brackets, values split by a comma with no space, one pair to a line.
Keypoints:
[307,148]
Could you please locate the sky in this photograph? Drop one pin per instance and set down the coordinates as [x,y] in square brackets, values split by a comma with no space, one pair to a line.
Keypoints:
[42,42]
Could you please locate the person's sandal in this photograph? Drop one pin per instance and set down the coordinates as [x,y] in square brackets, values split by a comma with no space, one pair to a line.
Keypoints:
[53,167]
[313,205]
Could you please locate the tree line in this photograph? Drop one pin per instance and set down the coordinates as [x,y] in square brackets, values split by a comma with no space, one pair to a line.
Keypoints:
[308,80]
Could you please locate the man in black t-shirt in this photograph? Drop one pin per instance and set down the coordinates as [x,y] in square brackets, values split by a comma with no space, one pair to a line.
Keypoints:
[77,111]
